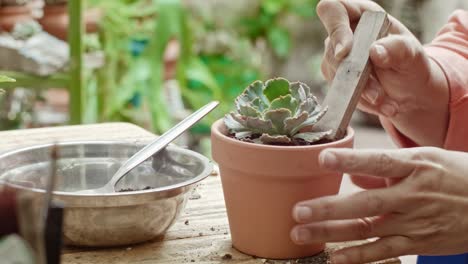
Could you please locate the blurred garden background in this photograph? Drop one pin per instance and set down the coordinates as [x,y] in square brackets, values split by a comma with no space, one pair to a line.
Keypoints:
[152,62]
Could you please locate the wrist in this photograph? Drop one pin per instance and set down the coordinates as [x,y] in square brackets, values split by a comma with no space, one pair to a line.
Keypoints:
[424,119]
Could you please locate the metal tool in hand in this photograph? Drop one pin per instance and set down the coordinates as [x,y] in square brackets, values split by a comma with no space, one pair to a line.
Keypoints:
[152,148]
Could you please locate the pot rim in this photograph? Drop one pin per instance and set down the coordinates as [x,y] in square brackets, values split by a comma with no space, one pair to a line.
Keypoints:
[215,130]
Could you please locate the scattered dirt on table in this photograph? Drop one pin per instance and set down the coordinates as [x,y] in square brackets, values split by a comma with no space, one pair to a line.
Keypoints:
[194,196]
[212,229]
[227,256]
[134,190]
[186,222]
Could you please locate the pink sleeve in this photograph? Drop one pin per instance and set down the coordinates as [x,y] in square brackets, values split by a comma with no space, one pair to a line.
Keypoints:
[450,50]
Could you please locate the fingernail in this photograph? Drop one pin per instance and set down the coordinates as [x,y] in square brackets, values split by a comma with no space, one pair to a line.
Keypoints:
[302,213]
[388,109]
[338,259]
[381,52]
[328,160]
[372,94]
[301,236]
[338,49]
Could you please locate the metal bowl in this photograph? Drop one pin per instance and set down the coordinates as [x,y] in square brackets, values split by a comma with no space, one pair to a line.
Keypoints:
[111,219]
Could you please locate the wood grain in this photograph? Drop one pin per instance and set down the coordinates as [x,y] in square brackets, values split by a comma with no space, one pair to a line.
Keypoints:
[201,233]
[352,75]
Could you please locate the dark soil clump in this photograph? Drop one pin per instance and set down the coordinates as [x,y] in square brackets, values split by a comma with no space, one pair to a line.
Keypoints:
[227,256]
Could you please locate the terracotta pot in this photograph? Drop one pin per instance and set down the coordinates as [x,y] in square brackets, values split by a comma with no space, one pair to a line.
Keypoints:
[11,15]
[55,20]
[261,183]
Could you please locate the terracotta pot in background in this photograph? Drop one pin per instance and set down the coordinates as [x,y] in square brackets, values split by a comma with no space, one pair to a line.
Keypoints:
[13,14]
[261,183]
[55,20]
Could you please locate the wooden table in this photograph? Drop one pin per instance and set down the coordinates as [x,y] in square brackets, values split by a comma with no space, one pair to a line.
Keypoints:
[201,234]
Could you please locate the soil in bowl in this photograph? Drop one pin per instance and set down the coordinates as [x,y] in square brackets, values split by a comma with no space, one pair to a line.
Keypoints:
[134,190]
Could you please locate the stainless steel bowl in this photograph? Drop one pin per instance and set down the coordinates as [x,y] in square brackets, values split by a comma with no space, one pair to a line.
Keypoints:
[115,218]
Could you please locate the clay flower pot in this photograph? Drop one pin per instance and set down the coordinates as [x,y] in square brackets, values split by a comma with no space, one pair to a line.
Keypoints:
[261,184]
[12,14]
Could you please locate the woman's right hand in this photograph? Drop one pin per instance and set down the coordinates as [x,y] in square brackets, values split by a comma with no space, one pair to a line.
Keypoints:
[405,86]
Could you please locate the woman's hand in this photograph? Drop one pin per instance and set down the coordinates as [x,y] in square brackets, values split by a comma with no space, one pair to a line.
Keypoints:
[405,86]
[423,211]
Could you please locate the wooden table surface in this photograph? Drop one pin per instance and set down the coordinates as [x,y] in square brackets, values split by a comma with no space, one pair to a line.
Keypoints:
[200,235]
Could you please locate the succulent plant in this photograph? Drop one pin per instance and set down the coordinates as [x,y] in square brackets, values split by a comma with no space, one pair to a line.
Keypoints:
[276,112]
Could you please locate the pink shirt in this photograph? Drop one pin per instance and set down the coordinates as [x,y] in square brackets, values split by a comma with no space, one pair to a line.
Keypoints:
[450,50]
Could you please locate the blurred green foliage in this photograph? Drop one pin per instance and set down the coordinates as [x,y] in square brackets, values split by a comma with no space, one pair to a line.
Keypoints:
[266,22]
[216,62]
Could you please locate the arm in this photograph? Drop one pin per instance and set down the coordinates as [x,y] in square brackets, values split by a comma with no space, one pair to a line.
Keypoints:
[449,51]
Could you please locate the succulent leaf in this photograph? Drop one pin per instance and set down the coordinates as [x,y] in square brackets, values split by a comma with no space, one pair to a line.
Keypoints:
[243,134]
[247,110]
[275,88]
[257,125]
[292,122]
[300,91]
[286,101]
[278,117]
[275,139]
[313,136]
[279,111]
[309,105]
[232,124]
[312,120]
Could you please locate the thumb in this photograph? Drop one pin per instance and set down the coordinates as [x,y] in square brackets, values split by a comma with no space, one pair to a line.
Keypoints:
[397,52]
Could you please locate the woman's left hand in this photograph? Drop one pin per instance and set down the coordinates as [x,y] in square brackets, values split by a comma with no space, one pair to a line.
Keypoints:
[423,211]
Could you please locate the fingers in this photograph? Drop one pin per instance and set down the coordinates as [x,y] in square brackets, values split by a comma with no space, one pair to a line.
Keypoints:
[368,182]
[381,163]
[341,230]
[356,8]
[335,20]
[384,248]
[362,204]
[375,100]
[397,52]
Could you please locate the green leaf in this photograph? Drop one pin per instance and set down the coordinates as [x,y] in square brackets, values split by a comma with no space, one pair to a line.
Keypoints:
[286,101]
[280,41]
[273,6]
[275,88]
[4,78]
[303,8]
[198,71]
